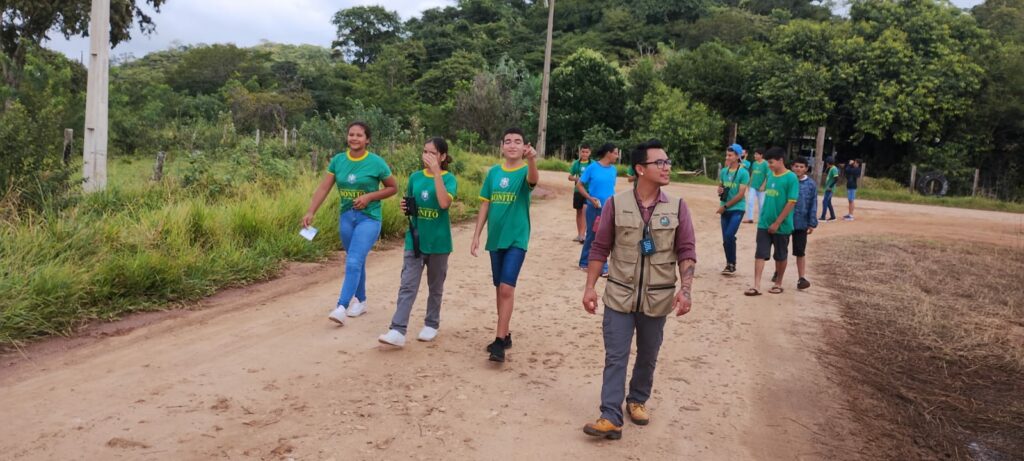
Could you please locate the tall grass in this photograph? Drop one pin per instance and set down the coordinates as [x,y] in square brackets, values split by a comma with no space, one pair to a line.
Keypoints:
[141,245]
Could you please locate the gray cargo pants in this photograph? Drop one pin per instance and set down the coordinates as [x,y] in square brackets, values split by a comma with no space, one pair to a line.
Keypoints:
[412,272]
[618,336]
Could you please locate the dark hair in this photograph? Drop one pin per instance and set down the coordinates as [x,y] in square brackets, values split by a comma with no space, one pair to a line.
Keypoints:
[442,148]
[639,154]
[363,125]
[801,160]
[513,130]
[829,160]
[604,149]
[584,146]
[775,153]
[759,150]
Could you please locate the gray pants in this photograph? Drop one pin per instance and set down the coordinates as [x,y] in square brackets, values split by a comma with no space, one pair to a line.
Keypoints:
[412,272]
[618,336]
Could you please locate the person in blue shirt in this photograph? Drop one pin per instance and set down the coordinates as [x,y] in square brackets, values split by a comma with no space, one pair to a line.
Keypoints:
[597,185]
[805,218]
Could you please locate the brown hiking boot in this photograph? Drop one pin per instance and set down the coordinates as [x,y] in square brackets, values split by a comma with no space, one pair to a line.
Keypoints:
[603,428]
[638,413]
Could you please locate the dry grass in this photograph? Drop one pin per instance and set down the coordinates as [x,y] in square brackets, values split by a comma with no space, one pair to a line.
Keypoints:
[930,346]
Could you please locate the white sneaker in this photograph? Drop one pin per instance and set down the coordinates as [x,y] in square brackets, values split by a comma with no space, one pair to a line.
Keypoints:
[392,337]
[338,315]
[427,334]
[356,309]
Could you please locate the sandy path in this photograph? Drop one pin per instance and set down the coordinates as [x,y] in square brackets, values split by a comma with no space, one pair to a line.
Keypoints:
[261,373]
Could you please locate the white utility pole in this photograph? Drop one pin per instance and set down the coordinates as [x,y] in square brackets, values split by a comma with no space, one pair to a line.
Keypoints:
[542,128]
[96,122]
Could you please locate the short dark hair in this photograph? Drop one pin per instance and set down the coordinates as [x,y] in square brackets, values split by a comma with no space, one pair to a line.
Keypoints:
[759,150]
[513,130]
[365,126]
[603,150]
[775,153]
[442,148]
[639,154]
[584,146]
[801,160]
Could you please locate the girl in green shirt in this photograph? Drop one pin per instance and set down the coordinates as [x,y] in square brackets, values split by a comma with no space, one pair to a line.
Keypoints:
[433,190]
[357,174]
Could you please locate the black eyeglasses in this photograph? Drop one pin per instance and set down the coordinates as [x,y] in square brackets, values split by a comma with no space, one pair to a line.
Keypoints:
[661,163]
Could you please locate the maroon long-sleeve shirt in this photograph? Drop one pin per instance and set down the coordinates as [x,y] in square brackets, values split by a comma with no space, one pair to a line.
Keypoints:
[686,241]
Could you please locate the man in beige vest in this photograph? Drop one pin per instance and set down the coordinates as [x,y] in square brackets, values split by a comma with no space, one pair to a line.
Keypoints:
[648,241]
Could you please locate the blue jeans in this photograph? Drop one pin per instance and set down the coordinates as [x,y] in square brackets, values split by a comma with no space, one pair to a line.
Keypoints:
[358,234]
[826,205]
[506,264]
[592,214]
[730,225]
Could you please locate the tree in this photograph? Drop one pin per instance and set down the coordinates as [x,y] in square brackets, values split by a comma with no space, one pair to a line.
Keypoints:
[435,84]
[205,69]
[24,23]
[586,90]
[387,82]
[363,32]
[688,129]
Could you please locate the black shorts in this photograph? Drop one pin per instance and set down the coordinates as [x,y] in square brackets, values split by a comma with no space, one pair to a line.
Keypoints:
[577,200]
[799,242]
[766,241]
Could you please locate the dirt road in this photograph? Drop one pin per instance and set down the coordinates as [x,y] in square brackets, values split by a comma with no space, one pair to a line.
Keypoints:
[260,372]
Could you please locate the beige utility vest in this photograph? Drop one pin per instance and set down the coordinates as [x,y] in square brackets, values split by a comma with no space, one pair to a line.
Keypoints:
[638,283]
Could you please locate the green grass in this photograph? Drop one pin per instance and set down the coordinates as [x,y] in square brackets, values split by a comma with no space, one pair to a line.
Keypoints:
[141,245]
[888,190]
[977,203]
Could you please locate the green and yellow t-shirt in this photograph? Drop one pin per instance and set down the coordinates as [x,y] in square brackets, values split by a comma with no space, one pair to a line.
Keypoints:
[758,172]
[731,181]
[577,168]
[830,180]
[781,189]
[508,218]
[432,222]
[358,176]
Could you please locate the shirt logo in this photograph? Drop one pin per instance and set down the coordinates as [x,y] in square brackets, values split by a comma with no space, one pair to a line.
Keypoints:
[351,179]
[503,183]
[664,220]
[425,195]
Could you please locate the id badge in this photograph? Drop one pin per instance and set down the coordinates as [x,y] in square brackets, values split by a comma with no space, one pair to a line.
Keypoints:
[647,246]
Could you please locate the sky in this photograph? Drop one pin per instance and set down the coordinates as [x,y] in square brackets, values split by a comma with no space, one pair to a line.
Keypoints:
[248,22]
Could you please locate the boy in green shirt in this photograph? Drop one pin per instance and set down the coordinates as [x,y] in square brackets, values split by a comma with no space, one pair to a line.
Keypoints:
[578,201]
[506,210]
[831,177]
[758,181]
[775,224]
[432,189]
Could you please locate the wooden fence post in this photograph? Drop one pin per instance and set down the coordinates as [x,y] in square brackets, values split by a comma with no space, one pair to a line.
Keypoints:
[819,154]
[314,160]
[284,135]
[863,169]
[704,162]
[158,169]
[257,137]
[69,138]
[974,190]
[913,177]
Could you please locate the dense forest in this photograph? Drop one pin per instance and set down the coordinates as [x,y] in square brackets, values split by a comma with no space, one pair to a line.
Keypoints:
[895,83]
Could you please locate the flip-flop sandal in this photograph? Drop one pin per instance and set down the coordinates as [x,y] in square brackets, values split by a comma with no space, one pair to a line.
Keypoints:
[752,292]
[775,290]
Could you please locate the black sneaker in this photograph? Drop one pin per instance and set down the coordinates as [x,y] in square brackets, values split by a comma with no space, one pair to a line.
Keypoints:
[803,284]
[729,269]
[497,350]
[507,342]
[775,276]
